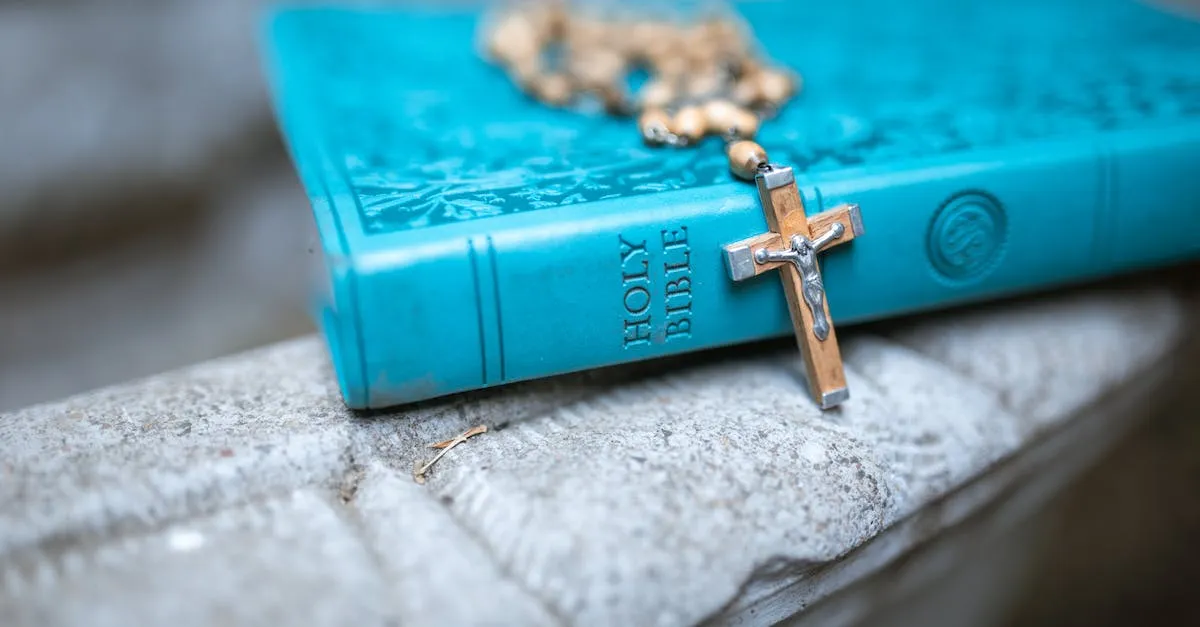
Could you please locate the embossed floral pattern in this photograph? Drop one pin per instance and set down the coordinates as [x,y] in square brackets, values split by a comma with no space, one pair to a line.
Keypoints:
[422,145]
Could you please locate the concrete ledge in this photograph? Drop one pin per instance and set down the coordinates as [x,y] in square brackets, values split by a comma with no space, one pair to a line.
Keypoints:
[616,497]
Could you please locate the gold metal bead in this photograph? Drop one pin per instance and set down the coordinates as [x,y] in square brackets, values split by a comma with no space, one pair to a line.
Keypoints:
[655,126]
[745,124]
[666,48]
[586,32]
[554,89]
[775,86]
[719,115]
[513,39]
[699,47]
[726,35]
[727,119]
[642,38]
[598,68]
[689,123]
[703,84]
[746,92]
[525,71]
[671,67]
[745,157]
[748,67]
[657,93]
[550,18]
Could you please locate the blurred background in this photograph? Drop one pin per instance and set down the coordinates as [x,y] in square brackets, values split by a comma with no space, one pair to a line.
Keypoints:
[149,218]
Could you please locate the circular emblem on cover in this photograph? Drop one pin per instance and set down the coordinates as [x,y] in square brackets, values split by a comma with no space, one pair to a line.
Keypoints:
[967,236]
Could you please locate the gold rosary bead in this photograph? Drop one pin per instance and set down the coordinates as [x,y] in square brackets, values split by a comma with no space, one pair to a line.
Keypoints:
[525,71]
[726,35]
[667,52]
[704,84]
[673,68]
[746,92]
[598,68]
[584,33]
[553,89]
[775,87]
[699,48]
[719,115]
[655,126]
[550,19]
[745,125]
[725,118]
[657,93]
[514,39]
[689,124]
[745,157]
[641,39]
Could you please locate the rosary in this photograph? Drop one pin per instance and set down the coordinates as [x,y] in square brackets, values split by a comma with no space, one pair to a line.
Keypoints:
[703,80]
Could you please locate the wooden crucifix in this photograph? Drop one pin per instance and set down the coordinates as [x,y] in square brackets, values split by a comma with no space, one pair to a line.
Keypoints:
[792,247]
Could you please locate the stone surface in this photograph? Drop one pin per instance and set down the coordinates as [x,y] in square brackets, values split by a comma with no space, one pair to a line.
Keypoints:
[656,494]
[1034,353]
[683,468]
[261,563]
[438,573]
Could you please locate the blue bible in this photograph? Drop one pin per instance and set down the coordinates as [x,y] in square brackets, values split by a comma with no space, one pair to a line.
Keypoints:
[470,237]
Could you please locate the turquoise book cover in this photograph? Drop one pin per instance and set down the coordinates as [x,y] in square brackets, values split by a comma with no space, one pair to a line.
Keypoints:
[469,236]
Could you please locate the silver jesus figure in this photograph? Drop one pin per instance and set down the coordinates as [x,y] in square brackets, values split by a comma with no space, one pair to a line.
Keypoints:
[803,255]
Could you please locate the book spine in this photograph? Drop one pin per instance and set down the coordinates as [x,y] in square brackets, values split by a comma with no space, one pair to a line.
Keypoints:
[584,286]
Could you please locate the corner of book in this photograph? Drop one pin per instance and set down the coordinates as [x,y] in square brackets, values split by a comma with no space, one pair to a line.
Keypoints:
[334,305]
[340,331]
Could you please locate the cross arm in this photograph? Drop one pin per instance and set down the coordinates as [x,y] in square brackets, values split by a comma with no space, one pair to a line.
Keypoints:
[739,256]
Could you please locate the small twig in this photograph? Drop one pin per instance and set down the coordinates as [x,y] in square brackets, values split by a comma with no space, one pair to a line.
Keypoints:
[469,433]
[445,446]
